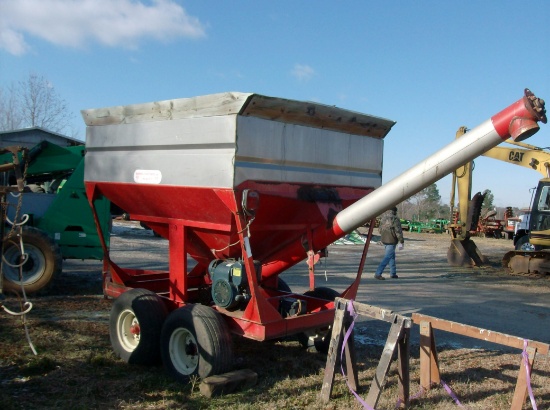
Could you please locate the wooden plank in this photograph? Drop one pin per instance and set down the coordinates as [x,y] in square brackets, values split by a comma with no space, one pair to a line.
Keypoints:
[334,347]
[349,355]
[200,106]
[228,382]
[373,311]
[520,392]
[425,355]
[429,364]
[403,368]
[379,380]
[434,362]
[317,115]
[478,333]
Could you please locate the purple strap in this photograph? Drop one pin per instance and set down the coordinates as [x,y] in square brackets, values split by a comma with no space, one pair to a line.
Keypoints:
[352,312]
[525,357]
[452,394]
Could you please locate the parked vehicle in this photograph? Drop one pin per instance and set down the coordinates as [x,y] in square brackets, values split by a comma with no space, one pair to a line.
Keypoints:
[489,226]
[60,224]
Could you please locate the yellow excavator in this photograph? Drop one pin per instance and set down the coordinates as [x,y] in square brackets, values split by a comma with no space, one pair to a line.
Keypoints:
[532,237]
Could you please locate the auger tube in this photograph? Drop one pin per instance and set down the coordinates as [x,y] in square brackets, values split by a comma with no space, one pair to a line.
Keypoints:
[518,121]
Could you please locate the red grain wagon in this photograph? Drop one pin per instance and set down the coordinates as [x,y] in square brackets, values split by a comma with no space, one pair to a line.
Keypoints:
[247,186]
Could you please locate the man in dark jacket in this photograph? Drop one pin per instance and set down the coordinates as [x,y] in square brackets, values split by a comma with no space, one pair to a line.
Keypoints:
[391,234]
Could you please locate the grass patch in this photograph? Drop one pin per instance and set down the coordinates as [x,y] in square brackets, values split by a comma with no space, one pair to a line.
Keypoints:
[77,369]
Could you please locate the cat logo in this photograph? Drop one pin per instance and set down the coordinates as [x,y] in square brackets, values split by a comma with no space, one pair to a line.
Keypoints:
[515,156]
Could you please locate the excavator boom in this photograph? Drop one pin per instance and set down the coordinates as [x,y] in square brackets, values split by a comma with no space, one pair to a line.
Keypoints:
[528,156]
[532,254]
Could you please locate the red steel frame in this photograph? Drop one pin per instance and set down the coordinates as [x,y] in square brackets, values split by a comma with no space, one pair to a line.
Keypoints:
[260,320]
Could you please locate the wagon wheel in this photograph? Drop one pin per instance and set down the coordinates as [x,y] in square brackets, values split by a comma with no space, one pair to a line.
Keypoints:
[135,325]
[195,340]
[318,339]
[43,261]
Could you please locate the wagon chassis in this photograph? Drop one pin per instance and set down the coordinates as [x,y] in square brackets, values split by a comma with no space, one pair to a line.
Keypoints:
[261,318]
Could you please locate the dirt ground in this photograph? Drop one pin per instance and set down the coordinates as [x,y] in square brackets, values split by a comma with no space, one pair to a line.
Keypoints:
[485,297]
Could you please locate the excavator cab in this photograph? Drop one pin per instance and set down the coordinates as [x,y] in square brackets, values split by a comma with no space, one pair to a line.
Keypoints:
[532,256]
[539,224]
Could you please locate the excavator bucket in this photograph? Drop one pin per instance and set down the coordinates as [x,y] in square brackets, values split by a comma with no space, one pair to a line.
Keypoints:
[465,253]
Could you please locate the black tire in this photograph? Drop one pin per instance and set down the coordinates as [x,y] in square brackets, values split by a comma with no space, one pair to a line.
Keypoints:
[43,264]
[135,326]
[523,244]
[195,340]
[318,339]
[283,286]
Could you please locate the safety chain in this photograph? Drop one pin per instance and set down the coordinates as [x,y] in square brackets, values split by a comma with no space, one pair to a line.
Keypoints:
[19,197]
[16,231]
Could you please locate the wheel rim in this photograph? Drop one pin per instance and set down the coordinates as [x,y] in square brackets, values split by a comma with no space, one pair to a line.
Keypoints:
[184,351]
[33,268]
[128,330]
[527,246]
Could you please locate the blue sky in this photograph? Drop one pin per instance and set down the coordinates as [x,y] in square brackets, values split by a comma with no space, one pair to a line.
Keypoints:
[432,66]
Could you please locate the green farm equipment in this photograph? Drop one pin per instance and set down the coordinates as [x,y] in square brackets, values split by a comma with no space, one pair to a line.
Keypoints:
[55,216]
[405,224]
[434,226]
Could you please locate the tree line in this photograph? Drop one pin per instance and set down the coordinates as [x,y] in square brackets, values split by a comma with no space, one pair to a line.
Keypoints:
[426,205]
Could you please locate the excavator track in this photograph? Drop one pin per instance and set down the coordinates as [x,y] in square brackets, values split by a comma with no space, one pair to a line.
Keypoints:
[532,264]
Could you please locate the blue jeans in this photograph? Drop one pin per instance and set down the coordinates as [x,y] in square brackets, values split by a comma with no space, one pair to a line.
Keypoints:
[389,258]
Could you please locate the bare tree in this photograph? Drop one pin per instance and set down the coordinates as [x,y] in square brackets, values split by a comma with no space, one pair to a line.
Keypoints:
[10,114]
[33,103]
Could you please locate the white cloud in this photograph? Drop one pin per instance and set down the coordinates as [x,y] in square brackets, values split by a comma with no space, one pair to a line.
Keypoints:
[76,23]
[12,41]
[303,72]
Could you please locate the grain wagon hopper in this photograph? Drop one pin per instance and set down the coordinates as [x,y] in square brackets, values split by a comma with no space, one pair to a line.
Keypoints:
[247,186]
